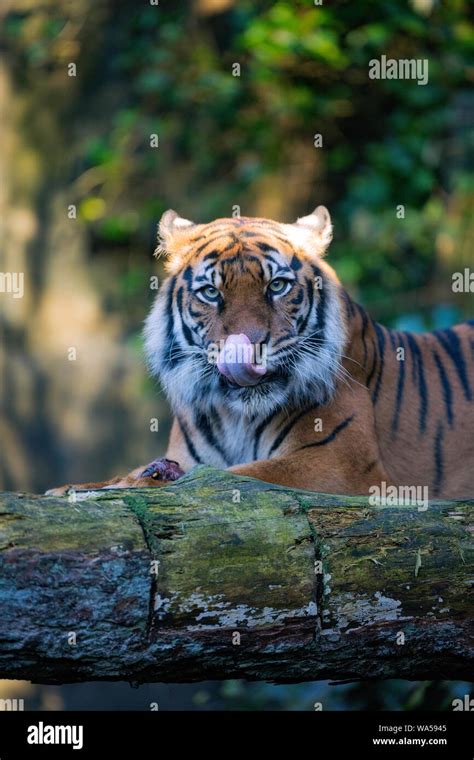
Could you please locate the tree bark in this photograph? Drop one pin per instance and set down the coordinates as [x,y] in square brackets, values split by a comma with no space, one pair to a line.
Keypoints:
[218,576]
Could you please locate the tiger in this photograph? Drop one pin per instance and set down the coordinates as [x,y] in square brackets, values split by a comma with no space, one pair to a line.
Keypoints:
[274,372]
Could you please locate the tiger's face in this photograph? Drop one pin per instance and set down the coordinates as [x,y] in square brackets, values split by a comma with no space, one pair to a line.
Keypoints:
[249,316]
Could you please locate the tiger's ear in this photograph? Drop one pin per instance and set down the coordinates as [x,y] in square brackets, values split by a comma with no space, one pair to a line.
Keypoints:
[319,226]
[170,226]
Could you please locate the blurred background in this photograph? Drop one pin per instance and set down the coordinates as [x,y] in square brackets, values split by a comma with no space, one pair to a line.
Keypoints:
[112,111]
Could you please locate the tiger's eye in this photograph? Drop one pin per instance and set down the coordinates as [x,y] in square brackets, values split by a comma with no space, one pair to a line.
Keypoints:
[278,285]
[210,292]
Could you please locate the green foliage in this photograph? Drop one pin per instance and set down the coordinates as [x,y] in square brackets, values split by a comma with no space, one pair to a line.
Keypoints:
[168,71]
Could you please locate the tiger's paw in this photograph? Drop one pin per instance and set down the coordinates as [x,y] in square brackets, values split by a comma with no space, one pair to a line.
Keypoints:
[157,473]
[162,469]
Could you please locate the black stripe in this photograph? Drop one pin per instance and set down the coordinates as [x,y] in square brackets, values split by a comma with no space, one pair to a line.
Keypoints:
[418,375]
[211,256]
[381,343]
[257,276]
[255,259]
[330,438]
[236,258]
[188,336]
[188,275]
[216,237]
[365,322]
[438,458]
[216,418]
[452,345]
[188,441]
[234,241]
[197,316]
[282,338]
[374,364]
[202,423]
[297,299]
[295,263]
[172,353]
[322,303]
[259,430]
[350,309]
[269,257]
[400,388]
[283,433]
[210,240]
[446,387]
[309,311]
[265,247]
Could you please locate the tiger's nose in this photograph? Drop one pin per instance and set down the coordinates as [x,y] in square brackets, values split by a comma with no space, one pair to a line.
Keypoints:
[259,336]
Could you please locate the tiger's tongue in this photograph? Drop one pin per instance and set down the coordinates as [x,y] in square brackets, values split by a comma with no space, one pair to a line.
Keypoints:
[235,361]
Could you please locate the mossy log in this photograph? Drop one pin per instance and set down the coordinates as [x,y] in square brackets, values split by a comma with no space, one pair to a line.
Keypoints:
[218,576]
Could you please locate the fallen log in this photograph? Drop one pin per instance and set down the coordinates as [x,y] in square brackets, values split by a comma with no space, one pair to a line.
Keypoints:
[218,576]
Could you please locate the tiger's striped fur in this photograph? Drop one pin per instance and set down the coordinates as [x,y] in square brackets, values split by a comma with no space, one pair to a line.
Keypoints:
[345,403]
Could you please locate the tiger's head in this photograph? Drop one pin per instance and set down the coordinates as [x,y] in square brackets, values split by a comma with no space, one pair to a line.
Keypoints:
[249,316]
